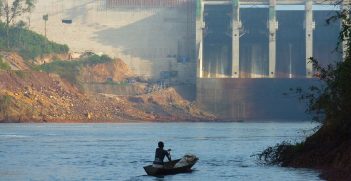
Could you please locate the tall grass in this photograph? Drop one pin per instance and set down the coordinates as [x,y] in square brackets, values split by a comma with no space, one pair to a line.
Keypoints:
[69,70]
[28,43]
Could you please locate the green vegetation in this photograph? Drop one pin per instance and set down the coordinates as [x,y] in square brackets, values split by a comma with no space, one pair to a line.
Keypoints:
[17,37]
[20,73]
[110,82]
[4,65]
[69,70]
[28,43]
[13,10]
[5,102]
[330,104]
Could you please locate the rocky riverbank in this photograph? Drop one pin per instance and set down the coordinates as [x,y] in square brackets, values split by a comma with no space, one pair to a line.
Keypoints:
[28,96]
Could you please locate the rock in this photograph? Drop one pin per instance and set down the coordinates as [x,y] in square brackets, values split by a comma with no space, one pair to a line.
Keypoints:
[89,115]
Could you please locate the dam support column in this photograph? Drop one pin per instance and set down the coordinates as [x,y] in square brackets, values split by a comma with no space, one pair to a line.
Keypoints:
[309,27]
[272,26]
[200,26]
[236,26]
[345,7]
[200,69]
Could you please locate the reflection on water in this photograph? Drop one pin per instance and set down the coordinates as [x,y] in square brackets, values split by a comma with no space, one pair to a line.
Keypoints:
[119,151]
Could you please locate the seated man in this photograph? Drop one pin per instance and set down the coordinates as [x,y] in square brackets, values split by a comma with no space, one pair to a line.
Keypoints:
[160,154]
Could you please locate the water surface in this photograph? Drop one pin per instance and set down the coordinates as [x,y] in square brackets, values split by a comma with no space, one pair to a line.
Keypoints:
[119,151]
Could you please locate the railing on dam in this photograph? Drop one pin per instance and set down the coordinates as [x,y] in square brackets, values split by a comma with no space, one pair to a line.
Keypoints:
[267,2]
[194,5]
[177,3]
[145,3]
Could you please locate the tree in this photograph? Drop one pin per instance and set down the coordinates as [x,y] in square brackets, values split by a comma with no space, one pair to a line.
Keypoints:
[330,104]
[45,18]
[1,8]
[31,6]
[11,11]
[19,27]
[333,100]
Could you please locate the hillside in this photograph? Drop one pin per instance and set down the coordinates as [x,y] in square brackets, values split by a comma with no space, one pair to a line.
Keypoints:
[52,92]
[28,96]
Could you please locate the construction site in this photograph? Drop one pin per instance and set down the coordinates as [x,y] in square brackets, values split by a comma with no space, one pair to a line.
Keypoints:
[242,56]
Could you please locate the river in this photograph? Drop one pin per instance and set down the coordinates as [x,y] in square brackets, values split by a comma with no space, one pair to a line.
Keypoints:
[119,151]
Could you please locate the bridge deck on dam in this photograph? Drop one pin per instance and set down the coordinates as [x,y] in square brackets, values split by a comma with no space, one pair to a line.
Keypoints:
[266,2]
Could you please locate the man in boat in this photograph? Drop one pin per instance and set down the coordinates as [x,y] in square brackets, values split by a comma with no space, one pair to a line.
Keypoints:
[160,154]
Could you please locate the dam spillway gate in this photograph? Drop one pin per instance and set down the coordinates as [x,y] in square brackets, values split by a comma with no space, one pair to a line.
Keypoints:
[252,52]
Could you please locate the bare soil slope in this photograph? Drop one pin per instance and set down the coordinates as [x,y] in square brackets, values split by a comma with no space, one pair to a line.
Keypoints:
[117,70]
[27,96]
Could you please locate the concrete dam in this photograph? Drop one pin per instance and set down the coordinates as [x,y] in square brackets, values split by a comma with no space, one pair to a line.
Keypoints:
[252,52]
[242,54]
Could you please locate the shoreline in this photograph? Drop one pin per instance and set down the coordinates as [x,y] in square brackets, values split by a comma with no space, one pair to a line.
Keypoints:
[159,121]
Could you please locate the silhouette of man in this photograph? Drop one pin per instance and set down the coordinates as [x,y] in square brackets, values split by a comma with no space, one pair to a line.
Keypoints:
[160,154]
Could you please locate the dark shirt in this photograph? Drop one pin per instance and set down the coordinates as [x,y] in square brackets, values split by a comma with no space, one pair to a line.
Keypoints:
[160,155]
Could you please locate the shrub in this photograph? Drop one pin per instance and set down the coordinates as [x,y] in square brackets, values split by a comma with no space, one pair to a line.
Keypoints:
[330,105]
[21,74]
[69,70]
[5,101]
[4,65]
[28,43]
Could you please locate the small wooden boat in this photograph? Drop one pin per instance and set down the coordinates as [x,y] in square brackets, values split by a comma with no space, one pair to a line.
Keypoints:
[169,168]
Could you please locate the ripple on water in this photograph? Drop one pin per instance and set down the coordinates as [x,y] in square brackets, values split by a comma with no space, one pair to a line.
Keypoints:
[9,136]
[119,152]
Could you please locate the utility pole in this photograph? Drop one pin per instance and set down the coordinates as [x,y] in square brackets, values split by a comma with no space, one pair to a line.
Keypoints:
[45,18]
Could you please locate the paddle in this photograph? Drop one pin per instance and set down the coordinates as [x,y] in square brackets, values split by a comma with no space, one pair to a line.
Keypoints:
[169,152]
